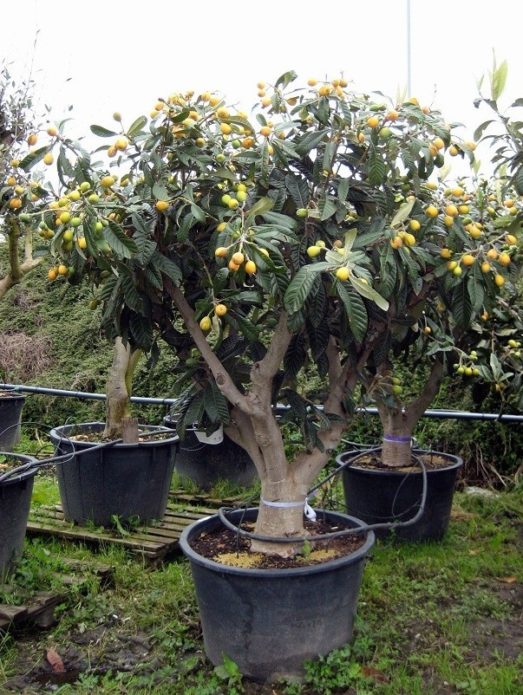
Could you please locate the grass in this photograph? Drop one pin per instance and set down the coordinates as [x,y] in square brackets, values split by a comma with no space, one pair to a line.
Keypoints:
[438,618]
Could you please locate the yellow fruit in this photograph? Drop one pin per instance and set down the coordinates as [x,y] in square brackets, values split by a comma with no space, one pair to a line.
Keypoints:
[361,137]
[15,163]
[373,121]
[82,243]
[452,265]
[205,324]
[15,203]
[223,112]
[312,82]
[238,258]
[445,253]
[451,210]
[233,204]
[499,280]
[438,143]
[409,239]
[52,274]
[470,146]
[468,259]
[68,235]
[313,251]
[504,259]
[221,227]
[511,239]
[457,271]
[107,181]
[453,150]
[121,143]
[250,267]
[225,128]
[427,330]
[392,115]
[431,211]
[414,225]
[161,205]
[32,139]
[457,192]
[343,274]
[485,267]
[448,221]
[48,158]
[64,217]
[221,252]
[474,231]
[11,181]
[325,90]
[265,131]
[396,242]
[233,267]
[220,310]
[62,269]
[492,254]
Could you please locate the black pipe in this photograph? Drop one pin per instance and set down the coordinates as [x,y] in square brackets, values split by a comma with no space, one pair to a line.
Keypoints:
[438,414]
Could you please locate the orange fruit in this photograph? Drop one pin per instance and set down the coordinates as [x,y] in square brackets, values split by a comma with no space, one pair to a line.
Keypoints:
[250,267]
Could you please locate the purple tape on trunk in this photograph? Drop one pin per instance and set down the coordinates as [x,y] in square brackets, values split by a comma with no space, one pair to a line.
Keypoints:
[397,438]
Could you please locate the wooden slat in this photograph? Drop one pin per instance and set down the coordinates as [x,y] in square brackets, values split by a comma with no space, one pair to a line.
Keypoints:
[153,541]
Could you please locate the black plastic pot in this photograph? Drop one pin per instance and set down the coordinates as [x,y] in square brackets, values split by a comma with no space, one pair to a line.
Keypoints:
[15,501]
[377,496]
[270,621]
[124,480]
[206,464]
[11,404]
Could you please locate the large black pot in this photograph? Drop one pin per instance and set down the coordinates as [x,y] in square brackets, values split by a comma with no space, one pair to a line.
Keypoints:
[11,404]
[206,464]
[270,621]
[15,501]
[124,480]
[388,495]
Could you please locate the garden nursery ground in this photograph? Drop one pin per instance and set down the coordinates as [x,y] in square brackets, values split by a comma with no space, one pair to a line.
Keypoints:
[437,618]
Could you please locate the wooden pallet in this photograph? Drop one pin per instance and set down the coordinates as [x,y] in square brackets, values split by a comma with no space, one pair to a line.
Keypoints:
[154,542]
[199,499]
[38,610]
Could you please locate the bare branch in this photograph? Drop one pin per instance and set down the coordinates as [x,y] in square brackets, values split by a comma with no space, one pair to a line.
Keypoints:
[264,371]
[417,407]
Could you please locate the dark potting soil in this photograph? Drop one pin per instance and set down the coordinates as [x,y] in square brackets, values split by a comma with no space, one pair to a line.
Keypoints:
[97,437]
[230,548]
[431,460]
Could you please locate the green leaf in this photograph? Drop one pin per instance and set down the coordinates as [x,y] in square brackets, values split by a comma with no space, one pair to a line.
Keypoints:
[123,245]
[160,192]
[140,331]
[343,189]
[198,214]
[285,79]
[299,288]
[247,328]
[298,189]
[103,132]
[136,126]
[327,209]
[310,141]
[355,311]
[481,129]
[260,207]
[367,291]
[403,212]
[33,158]
[215,404]
[167,266]
[498,80]
[518,181]
[130,293]
[475,289]
[461,305]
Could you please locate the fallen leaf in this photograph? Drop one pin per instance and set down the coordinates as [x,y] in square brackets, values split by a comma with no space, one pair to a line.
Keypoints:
[474,551]
[373,673]
[55,660]
[507,580]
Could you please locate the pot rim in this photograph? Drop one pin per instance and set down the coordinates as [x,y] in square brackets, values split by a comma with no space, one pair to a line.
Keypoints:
[273,573]
[23,458]
[455,462]
[7,394]
[59,434]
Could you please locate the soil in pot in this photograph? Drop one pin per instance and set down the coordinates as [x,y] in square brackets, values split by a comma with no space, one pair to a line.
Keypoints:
[207,464]
[11,404]
[378,494]
[15,502]
[270,620]
[128,481]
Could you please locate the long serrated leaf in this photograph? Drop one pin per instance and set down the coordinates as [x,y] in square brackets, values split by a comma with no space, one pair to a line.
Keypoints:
[327,209]
[141,331]
[260,207]
[310,142]
[215,404]
[298,190]
[498,80]
[117,239]
[33,158]
[136,126]
[355,311]
[160,192]
[130,293]
[167,266]
[402,214]
[103,132]
[367,291]
[299,289]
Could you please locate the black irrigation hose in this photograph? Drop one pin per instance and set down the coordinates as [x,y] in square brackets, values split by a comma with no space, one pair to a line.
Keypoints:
[362,528]
[62,458]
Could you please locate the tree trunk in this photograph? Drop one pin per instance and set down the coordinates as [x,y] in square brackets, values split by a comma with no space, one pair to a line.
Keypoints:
[117,390]
[397,436]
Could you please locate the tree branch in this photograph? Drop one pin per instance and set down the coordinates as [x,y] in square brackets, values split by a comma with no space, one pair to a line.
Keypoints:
[220,374]
[264,371]
[417,407]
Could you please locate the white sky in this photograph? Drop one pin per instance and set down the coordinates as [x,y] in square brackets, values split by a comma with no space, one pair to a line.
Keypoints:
[123,55]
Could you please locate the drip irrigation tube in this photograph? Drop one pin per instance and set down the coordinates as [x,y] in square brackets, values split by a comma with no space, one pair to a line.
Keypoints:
[362,528]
